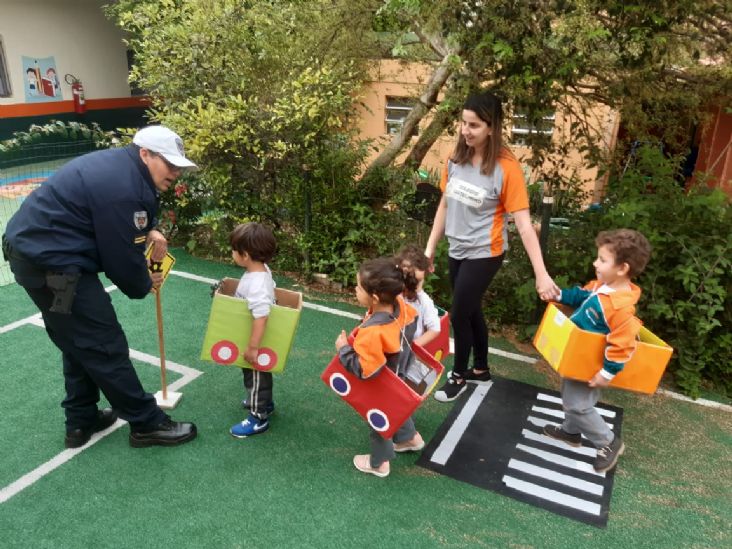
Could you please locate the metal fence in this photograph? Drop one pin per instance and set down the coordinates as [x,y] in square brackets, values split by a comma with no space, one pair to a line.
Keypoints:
[25,168]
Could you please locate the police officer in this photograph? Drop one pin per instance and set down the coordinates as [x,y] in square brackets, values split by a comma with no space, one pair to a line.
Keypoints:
[97,214]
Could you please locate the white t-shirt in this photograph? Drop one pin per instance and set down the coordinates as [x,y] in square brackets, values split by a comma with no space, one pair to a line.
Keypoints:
[258,289]
[429,317]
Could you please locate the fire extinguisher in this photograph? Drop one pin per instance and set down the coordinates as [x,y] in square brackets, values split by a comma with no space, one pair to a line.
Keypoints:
[77,90]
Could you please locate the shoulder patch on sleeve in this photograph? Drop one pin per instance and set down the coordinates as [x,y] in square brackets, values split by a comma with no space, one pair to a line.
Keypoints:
[140,219]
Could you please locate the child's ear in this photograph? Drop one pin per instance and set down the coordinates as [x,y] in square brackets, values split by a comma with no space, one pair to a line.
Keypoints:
[375,298]
[624,269]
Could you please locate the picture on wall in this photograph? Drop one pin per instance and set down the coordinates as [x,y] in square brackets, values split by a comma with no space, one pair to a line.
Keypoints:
[41,80]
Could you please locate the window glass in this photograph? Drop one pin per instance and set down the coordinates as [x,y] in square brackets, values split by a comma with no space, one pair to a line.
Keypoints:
[397,109]
[521,128]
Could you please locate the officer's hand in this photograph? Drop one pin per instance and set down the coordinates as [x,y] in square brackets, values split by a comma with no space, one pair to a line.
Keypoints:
[160,246]
[157,280]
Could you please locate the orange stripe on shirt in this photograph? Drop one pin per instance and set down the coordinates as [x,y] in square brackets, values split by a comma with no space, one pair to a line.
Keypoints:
[499,220]
[514,197]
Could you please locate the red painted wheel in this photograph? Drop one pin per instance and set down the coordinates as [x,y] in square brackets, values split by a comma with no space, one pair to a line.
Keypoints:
[266,359]
[224,352]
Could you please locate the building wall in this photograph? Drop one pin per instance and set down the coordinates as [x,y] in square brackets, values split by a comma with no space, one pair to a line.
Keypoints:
[83,43]
[392,78]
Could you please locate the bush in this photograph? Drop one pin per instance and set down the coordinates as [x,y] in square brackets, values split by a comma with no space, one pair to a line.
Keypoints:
[51,141]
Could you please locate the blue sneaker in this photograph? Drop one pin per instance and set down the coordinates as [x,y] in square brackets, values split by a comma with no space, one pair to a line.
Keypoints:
[252,425]
[270,408]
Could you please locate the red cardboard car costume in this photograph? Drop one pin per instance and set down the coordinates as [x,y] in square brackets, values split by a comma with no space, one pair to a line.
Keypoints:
[385,400]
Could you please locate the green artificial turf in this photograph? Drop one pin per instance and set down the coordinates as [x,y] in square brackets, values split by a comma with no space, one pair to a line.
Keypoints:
[295,486]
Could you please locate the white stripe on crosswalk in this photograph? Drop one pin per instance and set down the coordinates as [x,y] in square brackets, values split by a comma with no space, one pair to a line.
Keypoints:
[552,495]
[548,474]
[555,413]
[536,437]
[558,400]
[458,427]
[575,464]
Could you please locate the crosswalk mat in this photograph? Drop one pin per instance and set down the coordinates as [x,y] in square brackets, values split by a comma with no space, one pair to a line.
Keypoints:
[493,439]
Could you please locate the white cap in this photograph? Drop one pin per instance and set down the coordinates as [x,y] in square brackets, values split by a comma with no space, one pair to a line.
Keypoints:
[165,142]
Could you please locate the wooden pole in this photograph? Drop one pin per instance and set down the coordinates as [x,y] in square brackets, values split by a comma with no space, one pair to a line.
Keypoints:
[161,343]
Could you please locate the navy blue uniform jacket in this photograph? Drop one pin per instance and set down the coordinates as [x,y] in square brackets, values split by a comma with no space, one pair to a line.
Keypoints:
[92,215]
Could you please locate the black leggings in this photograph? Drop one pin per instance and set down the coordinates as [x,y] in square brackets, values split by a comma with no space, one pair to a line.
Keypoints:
[470,279]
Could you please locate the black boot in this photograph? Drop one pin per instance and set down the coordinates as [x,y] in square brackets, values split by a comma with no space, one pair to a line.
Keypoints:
[78,437]
[167,433]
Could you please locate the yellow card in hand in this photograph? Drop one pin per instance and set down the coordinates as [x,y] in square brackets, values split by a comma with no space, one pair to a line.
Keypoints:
[164,266]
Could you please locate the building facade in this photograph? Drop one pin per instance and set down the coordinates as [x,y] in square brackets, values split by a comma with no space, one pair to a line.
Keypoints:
[43,41]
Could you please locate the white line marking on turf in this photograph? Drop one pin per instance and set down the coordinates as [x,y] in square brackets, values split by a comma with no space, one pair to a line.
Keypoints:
[186,371]
[195,277]
[513,356]
[552,495]
[188,374]
[548,474]
[455,433]
[700,401]
[331,311]
[19,323]
[500,352]
[307,305]
[55,462]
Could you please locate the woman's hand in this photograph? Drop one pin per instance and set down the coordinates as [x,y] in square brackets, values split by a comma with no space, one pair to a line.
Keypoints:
[431,262]
[546,288]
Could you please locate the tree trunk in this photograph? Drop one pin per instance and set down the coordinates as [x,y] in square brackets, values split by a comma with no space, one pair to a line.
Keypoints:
[432,133]
[427,100]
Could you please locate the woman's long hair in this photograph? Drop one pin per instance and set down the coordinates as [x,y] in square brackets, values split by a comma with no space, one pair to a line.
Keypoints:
[488,108]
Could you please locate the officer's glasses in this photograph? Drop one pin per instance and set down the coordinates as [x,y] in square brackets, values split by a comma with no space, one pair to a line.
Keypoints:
[171,167]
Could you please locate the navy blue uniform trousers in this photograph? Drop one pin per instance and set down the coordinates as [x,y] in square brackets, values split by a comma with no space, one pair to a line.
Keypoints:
[94,350]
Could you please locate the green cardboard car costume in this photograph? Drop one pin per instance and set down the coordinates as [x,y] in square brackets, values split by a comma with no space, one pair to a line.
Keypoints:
[230,324]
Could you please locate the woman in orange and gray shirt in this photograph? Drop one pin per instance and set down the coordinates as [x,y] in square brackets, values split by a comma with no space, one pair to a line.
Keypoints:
[481,184]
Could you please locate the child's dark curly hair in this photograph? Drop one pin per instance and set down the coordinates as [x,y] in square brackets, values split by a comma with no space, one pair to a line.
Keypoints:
[409,259]
[628,246]
[382,277]
[255,239]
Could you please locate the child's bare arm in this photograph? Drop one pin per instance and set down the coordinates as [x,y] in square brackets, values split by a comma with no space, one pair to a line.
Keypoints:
[426,337]
[341,341]
[258,327]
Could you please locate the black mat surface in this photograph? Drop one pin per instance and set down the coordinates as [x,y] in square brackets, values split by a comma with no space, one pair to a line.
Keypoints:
[492,439]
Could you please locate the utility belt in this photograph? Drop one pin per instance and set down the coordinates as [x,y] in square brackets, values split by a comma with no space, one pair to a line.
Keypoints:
[62,284]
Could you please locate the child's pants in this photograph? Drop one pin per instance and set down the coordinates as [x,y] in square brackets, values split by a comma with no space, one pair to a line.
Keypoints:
[580,416]
[258,386]
[383,450]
